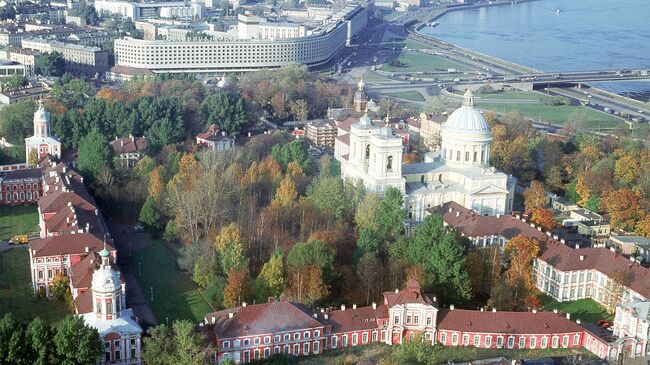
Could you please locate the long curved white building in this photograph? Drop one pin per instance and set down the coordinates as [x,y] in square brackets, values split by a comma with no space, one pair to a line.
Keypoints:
[239,55]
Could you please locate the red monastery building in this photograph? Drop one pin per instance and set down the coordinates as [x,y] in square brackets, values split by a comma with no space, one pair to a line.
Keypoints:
[257,331]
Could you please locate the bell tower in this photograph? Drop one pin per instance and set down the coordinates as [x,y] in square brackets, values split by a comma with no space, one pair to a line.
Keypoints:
[108,300]
[360,98]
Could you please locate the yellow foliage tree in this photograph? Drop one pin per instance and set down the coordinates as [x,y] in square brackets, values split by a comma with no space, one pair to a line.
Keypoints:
[286,194]
[626,169]
[156,182]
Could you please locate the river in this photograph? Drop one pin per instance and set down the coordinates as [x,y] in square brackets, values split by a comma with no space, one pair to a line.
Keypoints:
[584,35]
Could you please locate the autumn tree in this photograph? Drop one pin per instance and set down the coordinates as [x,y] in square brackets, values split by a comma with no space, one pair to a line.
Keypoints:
[535,195]
[156,182]
[623,208]
[367,214]
[627,169]
[518,277]
[367,271]
[543,218]
[618,281]
[271,277]
[286,195]
[643,227]
[309,262]
[237,288]
[230,247]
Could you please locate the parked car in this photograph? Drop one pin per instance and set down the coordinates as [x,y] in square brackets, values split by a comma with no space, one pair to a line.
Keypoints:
[138,228]
[20,239]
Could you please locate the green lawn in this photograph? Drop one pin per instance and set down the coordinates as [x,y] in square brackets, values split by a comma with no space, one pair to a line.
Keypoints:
[512,95]
[408,95]
[19,219]
[587,310]
[16,290]
[418,62]
[555,114]
[174,295]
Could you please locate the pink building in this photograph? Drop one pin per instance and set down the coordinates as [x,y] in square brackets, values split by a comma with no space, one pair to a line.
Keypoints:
[257,331]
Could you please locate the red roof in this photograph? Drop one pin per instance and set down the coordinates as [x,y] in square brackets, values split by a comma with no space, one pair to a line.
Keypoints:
[565,258]
[129,145]
[472,224]
[58,200]
[463,320]
[344,138]
[84,302]
[362,318]
[411,294]
[258,319]
[66,245]
[81,273]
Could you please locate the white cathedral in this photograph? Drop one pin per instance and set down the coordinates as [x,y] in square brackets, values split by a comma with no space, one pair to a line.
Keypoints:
[42,141]
[459,171]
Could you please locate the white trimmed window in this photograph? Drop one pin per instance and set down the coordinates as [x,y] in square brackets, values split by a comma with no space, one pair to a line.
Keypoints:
[565,341]
[576,340]
[364,338]
[267,340]
[305,335]
[276,350]
[344,342]
[383,336]
[296,349]
[226,344]
[522,342]
[355,339]
[257,341]
[454,339]
[296,336]
[488,341]
[287,337]
[443,338]
[276,338]
[511,342]
[374,336]
[554,341]
[533,342]
[267,352]
[500,342]
[316,347]
[305,348]
[544,342]
[466,340]
[477,340]
[316,333]
[334,341]
[246,342]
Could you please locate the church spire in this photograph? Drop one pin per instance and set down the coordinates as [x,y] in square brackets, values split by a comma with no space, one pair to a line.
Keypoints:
[104,254]
[469,98]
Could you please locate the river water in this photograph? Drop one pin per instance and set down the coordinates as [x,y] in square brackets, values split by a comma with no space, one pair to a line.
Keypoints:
[584,35]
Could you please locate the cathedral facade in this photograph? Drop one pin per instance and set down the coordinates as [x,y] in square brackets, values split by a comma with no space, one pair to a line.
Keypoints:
[459,171]
[42,142]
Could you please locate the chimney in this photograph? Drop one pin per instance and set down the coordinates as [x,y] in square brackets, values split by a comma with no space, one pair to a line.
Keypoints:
[452,307]
[231,314]
[87,249]
[482,309]
[451,210]
[582,257]
[396,291]
[577,246]
[568,316]
[539,228]
[534,310]
[435,299]
[578,321]
[354,306]
[322,310]
[214,320]
[498,215]
[315,315]
[532,225]
[518,216]
[548,233]
[494,310]
[342,307]
[562,240]
[121,143]
[132,138]
[87,227]
[374,305]
[555,311]
[457,214]
[612,249]
[223,133]
[249,134]
[326,316]
[244,304]
[632,259]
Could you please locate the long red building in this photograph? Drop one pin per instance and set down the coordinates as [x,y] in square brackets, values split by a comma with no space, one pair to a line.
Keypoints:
[251,332]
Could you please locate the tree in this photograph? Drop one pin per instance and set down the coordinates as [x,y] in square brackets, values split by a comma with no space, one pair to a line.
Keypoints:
[156,182]
[327,194]
[13,82]
[299,109]
[392,215]
[32,160]
[230,247]
[94,154]
[60,286]
[643,227]
[309,262]
[623,208]
[272,274]
[16,121]
[77,343]
[149,216]
[294,151]
[440,104]
[369,241]
[180,344]
[158,348]
[12,338]
[286,195]
[225,110]
[39,337]
[522,251]
[237,288]
[367,271]
[535,195]
[618,281]
[367,214]
[627,169]
[51,64]
[543,218]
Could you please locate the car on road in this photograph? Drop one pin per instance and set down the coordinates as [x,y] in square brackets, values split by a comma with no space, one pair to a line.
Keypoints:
[138,228]
[19,239]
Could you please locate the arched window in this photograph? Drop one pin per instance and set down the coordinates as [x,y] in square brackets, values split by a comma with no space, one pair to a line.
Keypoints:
[367,152]
[475,155]
[389,163]
[440,178]
[451,154]
[422,179]
[457,155]
[15,196]
[29,195]
[22,196]
[466,156]
[482,156]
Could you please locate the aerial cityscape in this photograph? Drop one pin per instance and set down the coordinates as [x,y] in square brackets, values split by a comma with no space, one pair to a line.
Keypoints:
[362,182]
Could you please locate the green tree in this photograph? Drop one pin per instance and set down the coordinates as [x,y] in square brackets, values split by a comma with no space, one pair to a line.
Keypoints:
[391,215]
[225,110]
[367,271]
[13,82]
[60,286]
[77,343]
[230,247]
[294,151]
[51,64]
[368,241]
[367,214]
[272,274]
[149,216]
[39,337]
[190,347]
[16,121]
[158,348]
[12,338]
[327,194]
[94,154]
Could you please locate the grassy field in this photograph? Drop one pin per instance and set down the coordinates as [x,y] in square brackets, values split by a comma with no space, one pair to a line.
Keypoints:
[419,62]
[555,114]
[174,295]
[16,290]
[408,95]
[586,310]
[511,95]
[18,219]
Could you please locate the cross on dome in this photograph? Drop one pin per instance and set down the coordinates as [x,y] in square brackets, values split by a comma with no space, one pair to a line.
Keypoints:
[469,98]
